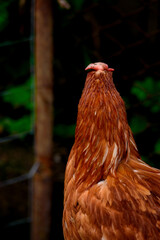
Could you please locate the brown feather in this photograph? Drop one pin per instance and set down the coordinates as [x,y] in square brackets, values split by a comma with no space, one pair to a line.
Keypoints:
[109,192]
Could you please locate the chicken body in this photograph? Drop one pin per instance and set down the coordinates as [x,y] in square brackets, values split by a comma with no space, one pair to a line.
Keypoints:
[109,192]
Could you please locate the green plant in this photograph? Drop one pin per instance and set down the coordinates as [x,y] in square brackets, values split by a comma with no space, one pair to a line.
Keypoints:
[19,96]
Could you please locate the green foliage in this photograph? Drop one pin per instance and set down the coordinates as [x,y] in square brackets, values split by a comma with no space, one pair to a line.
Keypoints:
[4,13]
[77,4]
[147,160]
[12,126]
[64,131]
[138,124]
[127,102]
[148,92]
[20,95]
[157,147]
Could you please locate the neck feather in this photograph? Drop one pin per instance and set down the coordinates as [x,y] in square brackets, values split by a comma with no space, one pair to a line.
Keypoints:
[102,131]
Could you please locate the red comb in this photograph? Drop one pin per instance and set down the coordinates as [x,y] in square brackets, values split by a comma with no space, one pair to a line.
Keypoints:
[99,66]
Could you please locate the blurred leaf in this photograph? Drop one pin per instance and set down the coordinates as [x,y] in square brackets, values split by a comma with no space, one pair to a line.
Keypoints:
[64,130]
[3,14]
[138,124]
[143,88]
[144,158]
[157,147]
[20,95]
[147,160]
[155,108]
[140,94]
[127,102]
[23,124]
[149,84]
[148,91]
[77,4]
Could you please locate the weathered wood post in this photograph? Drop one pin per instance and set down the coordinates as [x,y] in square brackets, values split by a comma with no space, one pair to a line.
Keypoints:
[43,179]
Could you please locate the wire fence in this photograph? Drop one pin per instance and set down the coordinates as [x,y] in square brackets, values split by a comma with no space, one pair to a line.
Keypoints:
[16,191]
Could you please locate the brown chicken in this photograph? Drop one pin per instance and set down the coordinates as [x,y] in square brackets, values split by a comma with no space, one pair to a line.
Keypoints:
[109,193]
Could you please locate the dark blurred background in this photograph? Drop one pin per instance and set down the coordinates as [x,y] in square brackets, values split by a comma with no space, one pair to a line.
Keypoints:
[123,34]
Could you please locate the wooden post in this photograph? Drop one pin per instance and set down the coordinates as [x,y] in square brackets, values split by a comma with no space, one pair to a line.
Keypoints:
[43,179]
